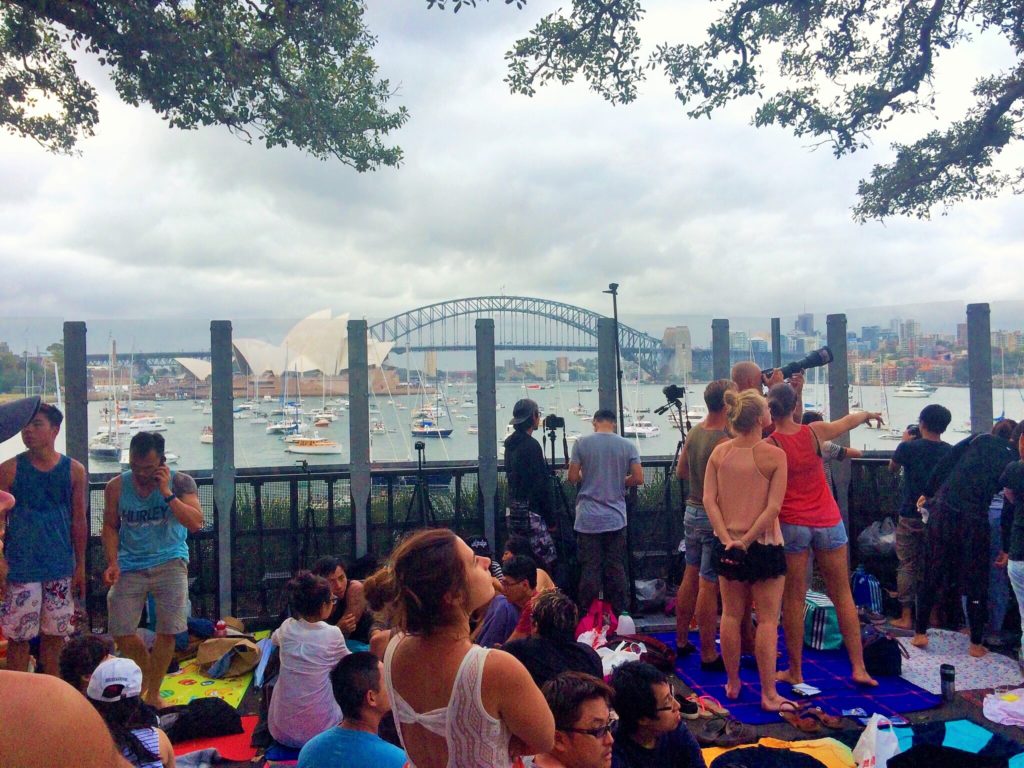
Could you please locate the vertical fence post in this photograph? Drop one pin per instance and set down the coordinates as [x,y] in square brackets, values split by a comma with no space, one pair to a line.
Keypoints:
[839,405]
[359,432]
[776,343]
[720,349]
[979,363]
[487,423]
[76,395]
[223,401]
[606,370]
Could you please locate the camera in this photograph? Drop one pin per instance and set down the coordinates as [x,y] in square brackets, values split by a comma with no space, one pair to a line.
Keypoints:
[551,421]
[914,430]
[673,392]
[419,445]
[815,359]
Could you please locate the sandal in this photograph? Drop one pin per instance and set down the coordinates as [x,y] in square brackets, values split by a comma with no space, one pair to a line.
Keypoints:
[712,705]
[725,732]
[794,715]
[823,717]
[702,711]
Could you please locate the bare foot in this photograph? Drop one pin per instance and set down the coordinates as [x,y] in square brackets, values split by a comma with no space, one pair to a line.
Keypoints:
[977,651]
[732,689]
[919,641]
[902,623]
[774,704]
[863,678]
[789,676]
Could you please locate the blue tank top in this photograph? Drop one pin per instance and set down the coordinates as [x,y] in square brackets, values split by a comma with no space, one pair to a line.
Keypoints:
[150,534]
[38,543]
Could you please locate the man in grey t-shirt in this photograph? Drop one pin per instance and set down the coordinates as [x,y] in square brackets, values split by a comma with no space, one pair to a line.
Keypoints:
[604,465]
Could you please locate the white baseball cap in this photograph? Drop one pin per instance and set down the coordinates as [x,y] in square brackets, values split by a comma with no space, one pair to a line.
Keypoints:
[115,679]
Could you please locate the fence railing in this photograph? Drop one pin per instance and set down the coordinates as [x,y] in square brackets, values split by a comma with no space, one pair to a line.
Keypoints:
[284,519]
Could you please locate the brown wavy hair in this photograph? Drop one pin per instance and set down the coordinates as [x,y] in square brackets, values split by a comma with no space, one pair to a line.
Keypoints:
[423,586]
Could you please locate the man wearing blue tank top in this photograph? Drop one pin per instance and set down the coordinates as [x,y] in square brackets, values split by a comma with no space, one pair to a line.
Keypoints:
[147,515]
[44,537]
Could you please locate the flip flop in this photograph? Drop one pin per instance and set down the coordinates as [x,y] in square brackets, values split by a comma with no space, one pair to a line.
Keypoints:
[823,717]
[702,711]
[793,715]
[713,705]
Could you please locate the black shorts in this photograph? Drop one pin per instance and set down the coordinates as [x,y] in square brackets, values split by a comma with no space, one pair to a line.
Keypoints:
[762,562]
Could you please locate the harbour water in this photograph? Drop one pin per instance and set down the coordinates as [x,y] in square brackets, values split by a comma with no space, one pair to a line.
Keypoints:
[255,448]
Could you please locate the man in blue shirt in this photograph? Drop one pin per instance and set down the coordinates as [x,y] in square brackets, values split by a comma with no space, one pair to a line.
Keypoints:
[44,541]
[358,687]
[147,515]
[651,733]
[604,465]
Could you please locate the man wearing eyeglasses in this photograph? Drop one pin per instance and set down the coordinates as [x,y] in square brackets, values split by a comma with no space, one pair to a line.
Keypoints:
[581,705]
[650,733]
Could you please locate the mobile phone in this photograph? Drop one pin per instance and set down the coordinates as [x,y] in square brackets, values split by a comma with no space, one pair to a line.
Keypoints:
[163,460]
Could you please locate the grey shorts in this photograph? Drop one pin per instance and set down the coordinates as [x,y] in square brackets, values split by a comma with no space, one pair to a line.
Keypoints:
[167,583]
[700,542]
[800,538]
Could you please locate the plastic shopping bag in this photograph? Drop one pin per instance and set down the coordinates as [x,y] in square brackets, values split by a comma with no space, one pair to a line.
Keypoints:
[877,744]
[620,654]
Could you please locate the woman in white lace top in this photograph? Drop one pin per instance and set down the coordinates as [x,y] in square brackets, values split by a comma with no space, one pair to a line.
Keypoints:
[455,704]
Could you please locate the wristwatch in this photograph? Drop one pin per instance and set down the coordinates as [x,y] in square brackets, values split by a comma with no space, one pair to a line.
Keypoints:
[171,497]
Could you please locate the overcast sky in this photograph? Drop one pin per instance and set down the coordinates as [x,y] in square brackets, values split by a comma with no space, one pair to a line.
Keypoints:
[554,196]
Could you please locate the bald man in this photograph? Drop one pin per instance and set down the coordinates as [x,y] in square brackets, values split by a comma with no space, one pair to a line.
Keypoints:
[746,375]
[65,728]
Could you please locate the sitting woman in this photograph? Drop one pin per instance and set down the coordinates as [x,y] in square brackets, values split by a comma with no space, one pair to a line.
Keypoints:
[811,521]
[349,613]
[115,690]
[455,703]
[744,485]
[80,657]
[303,703]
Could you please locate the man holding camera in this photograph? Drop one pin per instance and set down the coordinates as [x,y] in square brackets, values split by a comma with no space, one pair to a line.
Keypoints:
[917,455]
[147,515]
[604,465]
[530,511]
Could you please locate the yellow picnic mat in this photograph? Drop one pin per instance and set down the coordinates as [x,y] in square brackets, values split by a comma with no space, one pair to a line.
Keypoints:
[189,683]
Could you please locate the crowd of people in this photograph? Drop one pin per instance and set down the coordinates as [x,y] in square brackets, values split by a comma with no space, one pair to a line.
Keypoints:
[445,656]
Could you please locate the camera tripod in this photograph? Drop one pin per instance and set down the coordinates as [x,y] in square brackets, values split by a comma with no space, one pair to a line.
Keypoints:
[309,520]
[567,566]
[420,508]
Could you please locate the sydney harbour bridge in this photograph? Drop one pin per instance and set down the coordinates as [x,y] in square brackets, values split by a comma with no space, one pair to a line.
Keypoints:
[520,323]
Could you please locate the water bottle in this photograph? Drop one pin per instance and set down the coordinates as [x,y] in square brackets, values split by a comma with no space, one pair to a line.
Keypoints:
[947,682]
[626,624]
[220,629]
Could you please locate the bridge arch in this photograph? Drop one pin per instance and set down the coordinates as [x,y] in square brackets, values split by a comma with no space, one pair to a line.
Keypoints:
[634,344]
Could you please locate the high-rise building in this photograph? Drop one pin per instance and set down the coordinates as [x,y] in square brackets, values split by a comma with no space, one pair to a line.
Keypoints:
[961,334]
[539,368]
[739,341]
[804,324]
[562,364]
[510,364]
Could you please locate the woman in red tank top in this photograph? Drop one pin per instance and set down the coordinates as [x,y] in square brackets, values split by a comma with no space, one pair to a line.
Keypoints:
[810,520]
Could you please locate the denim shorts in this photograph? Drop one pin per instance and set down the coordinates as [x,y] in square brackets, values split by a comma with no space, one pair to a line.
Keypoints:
[800,538]
[700,542]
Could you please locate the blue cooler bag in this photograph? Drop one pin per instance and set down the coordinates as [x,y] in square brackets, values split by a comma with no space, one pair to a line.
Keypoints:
[867,592]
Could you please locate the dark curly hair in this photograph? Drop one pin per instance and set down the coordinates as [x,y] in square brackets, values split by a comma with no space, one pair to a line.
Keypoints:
[308,594]
[80,657]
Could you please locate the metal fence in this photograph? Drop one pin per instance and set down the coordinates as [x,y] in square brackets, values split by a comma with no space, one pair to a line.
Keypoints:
[284,519]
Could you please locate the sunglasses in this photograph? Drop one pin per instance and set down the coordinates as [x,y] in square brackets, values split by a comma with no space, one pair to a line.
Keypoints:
[598,733]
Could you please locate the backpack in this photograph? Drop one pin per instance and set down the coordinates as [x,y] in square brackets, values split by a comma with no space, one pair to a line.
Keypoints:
[201,719]
[883,653]
[867,592]
[654,652]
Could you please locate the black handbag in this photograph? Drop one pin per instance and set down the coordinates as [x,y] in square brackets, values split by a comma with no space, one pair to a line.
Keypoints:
[883,653]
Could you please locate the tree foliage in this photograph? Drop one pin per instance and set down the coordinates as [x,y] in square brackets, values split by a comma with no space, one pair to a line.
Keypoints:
[283,72]
[848,68]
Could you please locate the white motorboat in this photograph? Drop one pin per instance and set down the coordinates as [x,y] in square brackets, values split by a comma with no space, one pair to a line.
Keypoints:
[168,419]
[641,428]
[378,428]
[169,458]
[472,429]
[105,448]
[206,437]
[319,446]
[912,389]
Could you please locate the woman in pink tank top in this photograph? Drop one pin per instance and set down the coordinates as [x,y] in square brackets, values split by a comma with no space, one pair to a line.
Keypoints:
[744,485]
[811,520]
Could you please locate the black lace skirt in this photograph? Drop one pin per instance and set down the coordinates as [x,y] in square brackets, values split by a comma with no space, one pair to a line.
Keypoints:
[760,563]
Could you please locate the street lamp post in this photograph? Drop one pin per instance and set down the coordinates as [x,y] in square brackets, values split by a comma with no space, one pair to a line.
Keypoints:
[613,289]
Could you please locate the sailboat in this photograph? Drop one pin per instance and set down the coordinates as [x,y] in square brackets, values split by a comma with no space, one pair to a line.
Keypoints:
[889,433]
[106,444]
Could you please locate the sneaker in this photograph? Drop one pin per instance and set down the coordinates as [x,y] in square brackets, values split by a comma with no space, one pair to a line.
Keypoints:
[690,710]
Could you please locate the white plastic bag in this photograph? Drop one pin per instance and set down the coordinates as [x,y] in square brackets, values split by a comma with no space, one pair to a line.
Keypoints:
[620,654]
[877,744]
[595,638]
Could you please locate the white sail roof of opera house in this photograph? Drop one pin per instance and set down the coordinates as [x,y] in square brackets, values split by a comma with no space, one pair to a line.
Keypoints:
[201,369]
[317,343]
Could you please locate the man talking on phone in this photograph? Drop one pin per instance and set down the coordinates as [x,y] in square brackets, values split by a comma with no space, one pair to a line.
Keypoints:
[148,512]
